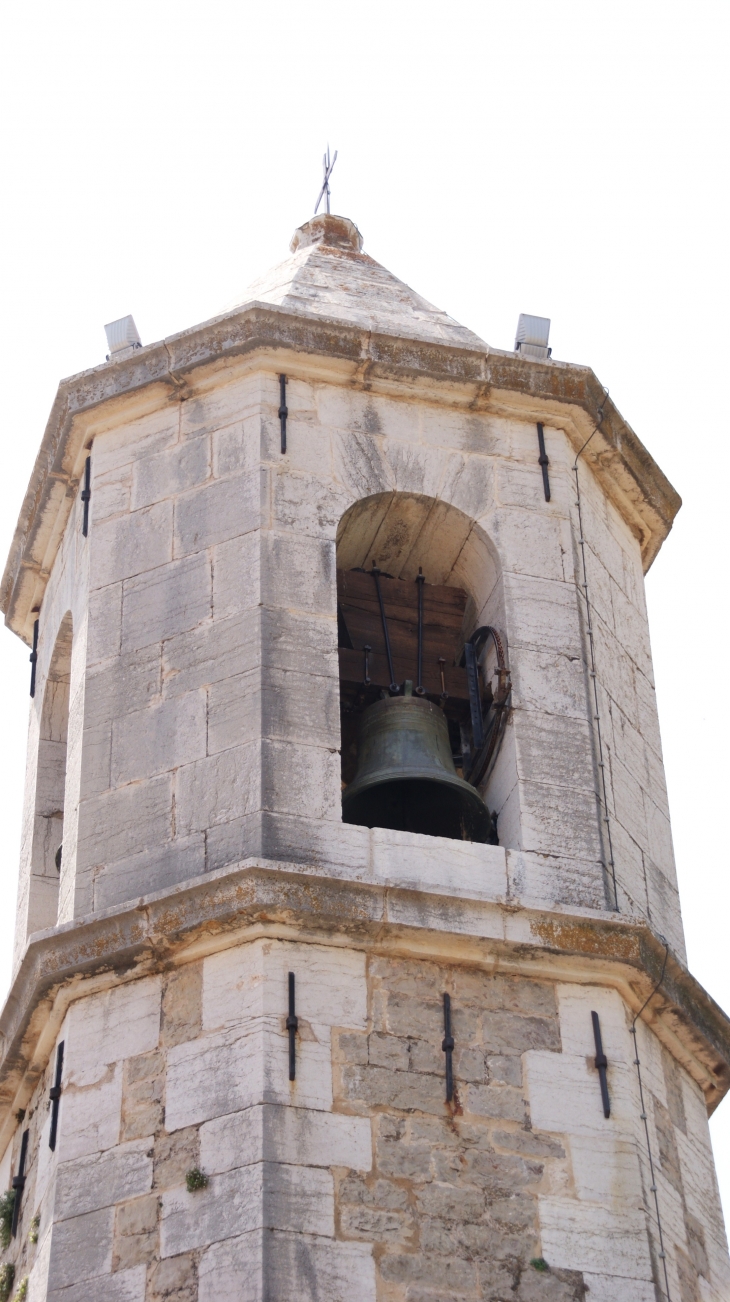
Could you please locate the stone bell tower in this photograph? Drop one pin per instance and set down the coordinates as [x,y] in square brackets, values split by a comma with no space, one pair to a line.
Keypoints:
[349,959]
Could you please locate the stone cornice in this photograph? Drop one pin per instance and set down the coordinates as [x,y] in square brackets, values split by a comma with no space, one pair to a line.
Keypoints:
[232,905]
[556,392]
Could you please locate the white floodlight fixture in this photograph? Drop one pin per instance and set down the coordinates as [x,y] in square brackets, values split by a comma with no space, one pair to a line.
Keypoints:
[122,336]
[532,336]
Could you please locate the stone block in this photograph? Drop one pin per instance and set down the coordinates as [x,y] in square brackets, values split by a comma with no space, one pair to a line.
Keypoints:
[102,1179]
[285,1134]
[265,1195]
[164,474]
[298,573]
[300,707]
[131,544]
[360,464]
[236,448]
[299,641]
[607,1288]
[606,1170]
[231,843]
[255,1267]
[539,880]
[499,1102]
[252,981]
[159,738]
[126,683]
[542,615]
[217,789]
[531,542]
[123,1286]
[307,505]
[566,827]
[135,1233]
[219,404]
[174,1279]
[96,760]
[150,871]
[520,485]
[445,1272]
[106,1027]
[90,1116]
[236,575]
[110,493]
[166,601]
[212,653]
[583,1236]
[142,1099]
[435,864]
[564,1094]
[513,1033]
[554,750]
[81,1248]
[404,1091]
[104,623]
[576,1025]
[182,1006]
[174,1156]
[124,443]
[548,681]
[122,823]
[300,779]
[220,510]
[234,711]
[249,1064]
[335,849]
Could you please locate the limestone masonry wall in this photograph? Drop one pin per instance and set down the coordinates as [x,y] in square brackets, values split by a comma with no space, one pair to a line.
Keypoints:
[205,649]
[357,1180]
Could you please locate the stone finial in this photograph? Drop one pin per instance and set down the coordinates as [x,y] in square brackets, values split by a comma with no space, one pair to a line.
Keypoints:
[337,232]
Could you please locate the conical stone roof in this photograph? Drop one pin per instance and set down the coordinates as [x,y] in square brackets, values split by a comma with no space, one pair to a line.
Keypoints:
[329,276]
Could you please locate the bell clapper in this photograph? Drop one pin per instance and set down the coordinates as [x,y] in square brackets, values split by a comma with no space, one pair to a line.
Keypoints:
[444,694]
[393,689]
[420,580]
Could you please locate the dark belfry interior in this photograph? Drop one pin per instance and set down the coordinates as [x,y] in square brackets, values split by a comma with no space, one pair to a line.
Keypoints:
[422,717]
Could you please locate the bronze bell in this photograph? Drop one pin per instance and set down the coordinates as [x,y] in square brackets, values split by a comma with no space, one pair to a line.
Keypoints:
[406,777]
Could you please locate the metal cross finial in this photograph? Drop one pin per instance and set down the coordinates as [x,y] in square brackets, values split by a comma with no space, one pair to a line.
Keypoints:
[327,167]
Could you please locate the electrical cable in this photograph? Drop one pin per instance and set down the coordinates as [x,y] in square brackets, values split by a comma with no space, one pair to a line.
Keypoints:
[605,821]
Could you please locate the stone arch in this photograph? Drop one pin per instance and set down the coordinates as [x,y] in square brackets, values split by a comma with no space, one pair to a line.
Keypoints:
[50,792]
[402,531]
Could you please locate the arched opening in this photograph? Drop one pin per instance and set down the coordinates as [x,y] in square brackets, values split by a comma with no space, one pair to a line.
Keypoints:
[51,786]
[421,638]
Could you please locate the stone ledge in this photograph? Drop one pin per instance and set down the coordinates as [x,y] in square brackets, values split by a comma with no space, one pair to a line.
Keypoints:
[226,908]
[626,470]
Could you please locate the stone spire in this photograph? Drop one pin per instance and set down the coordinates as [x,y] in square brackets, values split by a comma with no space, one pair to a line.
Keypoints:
[328,275]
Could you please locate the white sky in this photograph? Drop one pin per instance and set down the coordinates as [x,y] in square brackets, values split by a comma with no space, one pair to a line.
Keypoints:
[566,159]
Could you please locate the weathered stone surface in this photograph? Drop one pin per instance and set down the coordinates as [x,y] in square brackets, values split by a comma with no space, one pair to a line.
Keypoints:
[255,1267]
[142,1102]
[182,1011]
[135,1233]
[174,1279]
[166,601]
[124,1286]
[265,1195]
[104,1179]
[174,1155]
[285,1134]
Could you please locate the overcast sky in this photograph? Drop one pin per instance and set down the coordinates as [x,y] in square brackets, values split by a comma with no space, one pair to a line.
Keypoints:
[565,159]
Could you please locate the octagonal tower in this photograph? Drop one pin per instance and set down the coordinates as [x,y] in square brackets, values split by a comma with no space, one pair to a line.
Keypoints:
[253,1051]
